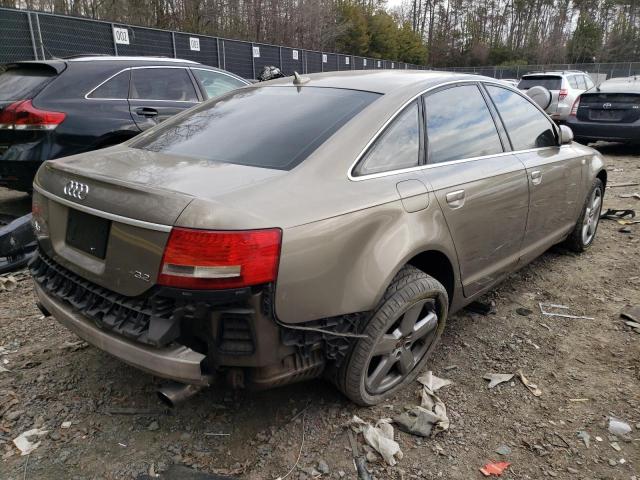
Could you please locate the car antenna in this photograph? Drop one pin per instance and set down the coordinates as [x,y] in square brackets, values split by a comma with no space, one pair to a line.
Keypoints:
[298,80]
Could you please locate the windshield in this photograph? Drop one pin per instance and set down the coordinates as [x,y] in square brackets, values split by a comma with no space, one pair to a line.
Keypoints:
[22,83]
[270,127]
[550,83]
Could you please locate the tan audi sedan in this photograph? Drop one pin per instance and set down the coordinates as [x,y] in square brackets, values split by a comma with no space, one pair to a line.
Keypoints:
[314,225]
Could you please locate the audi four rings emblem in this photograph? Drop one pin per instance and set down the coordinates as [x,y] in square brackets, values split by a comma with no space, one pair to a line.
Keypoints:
[77,190]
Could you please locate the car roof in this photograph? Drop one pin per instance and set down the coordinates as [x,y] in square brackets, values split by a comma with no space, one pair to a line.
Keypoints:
[554,73]
[113,58]
[379,81]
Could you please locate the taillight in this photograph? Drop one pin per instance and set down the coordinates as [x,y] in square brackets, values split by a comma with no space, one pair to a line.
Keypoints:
[574,109]
[563,94]
[208,259]
[23,115]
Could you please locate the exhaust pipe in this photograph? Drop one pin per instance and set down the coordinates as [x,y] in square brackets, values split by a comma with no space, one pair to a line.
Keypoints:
[174,393]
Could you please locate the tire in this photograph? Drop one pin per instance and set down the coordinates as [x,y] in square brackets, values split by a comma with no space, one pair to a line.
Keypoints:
[412,293]
[578,241]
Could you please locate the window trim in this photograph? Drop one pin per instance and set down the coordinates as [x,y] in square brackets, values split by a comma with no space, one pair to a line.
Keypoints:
[422,145]
[196,88]
[481,91]
[353,178]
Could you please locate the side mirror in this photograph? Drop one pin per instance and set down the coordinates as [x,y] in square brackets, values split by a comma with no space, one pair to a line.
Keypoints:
[566,135]
[540,95]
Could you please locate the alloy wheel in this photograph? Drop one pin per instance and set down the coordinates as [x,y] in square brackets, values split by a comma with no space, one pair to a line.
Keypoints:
[591,216]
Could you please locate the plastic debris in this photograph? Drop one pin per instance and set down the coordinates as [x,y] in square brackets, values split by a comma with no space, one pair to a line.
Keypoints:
[430,417]
[585,437]
[65,425]
[380,437]
[503,450]
[555,313]
[618,427]
[23,442]
[8,283]
[533,388]
[497,378]
[631,313]
[494,468]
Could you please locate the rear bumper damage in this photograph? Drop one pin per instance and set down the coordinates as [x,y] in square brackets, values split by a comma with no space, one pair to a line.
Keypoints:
[192,337]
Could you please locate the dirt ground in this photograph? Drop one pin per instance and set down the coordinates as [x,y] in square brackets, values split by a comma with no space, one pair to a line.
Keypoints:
[588,371]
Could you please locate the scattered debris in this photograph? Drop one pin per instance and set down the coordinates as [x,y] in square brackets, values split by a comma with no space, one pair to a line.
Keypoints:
[631,313]
[8,283]
[627,184]
[585,437]
[359,462]
[503,450]
[579,399]
[430,417]
[549,313]
[380,437]
[635,195]
[65,425]
[23,441]
[615,446]
[618,427]
[625,230]
[2,369]
[482,308]
[494,468]
[533,388]
[497,378]
[295,465]
[211,434]
[525,312]
[74,346]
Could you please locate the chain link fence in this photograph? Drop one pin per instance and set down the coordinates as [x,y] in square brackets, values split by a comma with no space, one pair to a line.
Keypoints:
[27,35]
[611,70]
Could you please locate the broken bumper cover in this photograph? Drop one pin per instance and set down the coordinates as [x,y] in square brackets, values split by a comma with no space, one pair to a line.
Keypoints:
[174,362]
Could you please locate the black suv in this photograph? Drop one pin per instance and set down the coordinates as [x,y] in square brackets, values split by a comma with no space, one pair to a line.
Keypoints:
[55,108]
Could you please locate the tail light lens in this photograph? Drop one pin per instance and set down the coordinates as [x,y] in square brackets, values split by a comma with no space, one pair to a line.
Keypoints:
[574,109]
[23,115]
[563,94]
[205,259]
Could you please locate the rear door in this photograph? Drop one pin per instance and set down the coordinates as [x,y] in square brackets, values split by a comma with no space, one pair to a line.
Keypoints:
[554,172]
[158,93]
[482,189]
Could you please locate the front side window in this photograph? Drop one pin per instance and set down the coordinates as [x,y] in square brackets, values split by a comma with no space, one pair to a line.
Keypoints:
[398,147]
[269,127]
[459,125]
[171,84]
[589,83]
[116,87]
[526,126]
[214,83]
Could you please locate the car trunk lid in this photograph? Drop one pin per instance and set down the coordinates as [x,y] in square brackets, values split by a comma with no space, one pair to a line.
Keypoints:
[609,107]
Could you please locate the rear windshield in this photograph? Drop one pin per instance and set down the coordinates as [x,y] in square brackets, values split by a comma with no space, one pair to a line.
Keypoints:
[270,127]
[23,83]
[550,83]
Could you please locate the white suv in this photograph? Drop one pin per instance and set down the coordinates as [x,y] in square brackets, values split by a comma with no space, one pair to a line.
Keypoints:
[565,87]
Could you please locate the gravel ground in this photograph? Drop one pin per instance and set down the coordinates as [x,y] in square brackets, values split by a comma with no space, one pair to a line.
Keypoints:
[588,371]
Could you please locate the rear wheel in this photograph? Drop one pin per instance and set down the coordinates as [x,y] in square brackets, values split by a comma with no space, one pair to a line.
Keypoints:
[401,335]
[586,227]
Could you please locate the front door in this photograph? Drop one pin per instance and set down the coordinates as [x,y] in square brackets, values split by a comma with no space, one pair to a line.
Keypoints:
[554,172]
[158,93]
[482,190]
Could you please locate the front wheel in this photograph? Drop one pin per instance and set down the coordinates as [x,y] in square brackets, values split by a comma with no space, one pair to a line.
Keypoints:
[401,335]
[585,229]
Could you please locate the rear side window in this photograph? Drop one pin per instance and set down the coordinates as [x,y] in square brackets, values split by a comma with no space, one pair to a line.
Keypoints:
[114,88]
[216,84]
[459,125]
[526,126]
[550,83]
[270,127]
[23,83]
[171,84]
[398,147]
[573,81]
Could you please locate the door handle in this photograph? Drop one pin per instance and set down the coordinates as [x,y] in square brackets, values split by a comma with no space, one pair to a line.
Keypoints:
[536,177]
[147,112]
[455,199]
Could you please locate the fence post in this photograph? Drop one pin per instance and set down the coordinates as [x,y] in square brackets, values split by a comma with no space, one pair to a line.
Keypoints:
[173,42]
[218,50]
[280,55]
[322,61]
[33,40]
[224,56]
[113,40]
[629,69]
[253,61]
[44,57]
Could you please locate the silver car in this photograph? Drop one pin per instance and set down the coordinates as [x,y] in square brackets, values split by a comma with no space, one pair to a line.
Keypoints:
[307,226]
[565,88]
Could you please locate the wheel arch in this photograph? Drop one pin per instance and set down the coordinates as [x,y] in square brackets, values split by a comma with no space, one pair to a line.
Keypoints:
[438,265]
[602,175]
